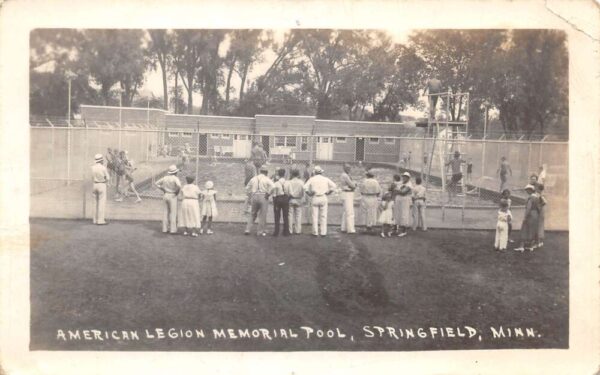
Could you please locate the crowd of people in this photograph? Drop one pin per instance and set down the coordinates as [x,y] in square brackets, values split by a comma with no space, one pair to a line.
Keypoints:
[120,168]
[387,210]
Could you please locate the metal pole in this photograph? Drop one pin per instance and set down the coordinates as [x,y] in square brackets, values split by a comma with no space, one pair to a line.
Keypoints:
[69,134]
[120,118]
[83,177]
[198,152]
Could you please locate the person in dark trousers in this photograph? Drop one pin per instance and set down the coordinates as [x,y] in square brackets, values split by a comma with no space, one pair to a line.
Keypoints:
[281,203]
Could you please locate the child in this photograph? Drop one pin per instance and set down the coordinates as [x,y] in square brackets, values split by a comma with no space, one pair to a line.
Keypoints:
[190,210]
[505,197]
[386,215]
[504,218]
[419,198]
[209,207]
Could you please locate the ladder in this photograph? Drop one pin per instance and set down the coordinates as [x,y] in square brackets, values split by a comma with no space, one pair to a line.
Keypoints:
[448,135]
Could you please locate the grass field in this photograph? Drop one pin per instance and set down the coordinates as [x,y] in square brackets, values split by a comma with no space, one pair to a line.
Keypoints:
[129,276]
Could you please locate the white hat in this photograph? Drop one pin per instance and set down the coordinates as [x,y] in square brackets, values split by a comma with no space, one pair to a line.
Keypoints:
[529,186]
[173,169]
[406,174]
[318,170]
[98,158]
[209,185]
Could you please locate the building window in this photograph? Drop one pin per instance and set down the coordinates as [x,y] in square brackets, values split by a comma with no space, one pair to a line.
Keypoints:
[290,141]
[389,141]
[215,135]
[324,140]
[173,135]
[225,136]
[340,139]
[241,137]
[374,141]
[279,141]
[186,135]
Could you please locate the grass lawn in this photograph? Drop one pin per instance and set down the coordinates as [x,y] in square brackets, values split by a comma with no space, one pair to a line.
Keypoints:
[128,276]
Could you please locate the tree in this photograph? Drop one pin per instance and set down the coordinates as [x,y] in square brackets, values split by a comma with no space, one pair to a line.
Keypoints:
[115,56]
[160,49]
[53,53]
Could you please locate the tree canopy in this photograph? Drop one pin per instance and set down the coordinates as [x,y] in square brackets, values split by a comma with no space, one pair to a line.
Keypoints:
[333,74]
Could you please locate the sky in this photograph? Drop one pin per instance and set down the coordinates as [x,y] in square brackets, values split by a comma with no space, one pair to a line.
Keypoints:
[153,83]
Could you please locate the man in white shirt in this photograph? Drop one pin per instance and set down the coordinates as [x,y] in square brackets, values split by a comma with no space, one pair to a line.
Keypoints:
[296,192]
[258,190]
[318,188]
[100,178]
[170,185]
[348,186]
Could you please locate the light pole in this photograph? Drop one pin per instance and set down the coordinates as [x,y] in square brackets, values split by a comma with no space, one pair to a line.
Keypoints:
[486,108]
[69,75]
[120,92]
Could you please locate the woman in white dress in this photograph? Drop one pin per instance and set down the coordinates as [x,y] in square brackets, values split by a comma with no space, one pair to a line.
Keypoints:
[402,191]
[190,210]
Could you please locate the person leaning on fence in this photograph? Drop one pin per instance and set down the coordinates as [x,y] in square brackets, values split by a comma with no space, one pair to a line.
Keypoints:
[281,203]
[370,190]
[469,177]
[402,192]
[347,185]
[128,169]
[170,185]
[209,207]
[318,187]
[190,209]
[258,156]
[110,164]
[529,228]
[419,199]
[258,190]
[100,179]
[296,192]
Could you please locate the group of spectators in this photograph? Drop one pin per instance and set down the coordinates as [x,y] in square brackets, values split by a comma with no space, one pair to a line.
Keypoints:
[120,168]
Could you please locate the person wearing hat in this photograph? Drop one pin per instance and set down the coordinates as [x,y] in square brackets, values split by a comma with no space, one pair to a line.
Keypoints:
[529,228]
[456,165]
[402,191]
[347,186]
[171,186]
[209,207]
[258,190]
[369,191]
[100,178]
[318,187]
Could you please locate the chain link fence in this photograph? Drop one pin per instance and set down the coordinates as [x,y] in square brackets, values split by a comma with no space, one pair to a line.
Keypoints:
[61,157]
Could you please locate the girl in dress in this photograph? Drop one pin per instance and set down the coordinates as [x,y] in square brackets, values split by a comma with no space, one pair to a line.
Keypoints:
[504,219]
[506,198]
[386,215]
[209,207]
[190,210]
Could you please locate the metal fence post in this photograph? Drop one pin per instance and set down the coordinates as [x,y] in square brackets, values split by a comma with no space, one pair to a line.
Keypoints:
[68,154]
[83,177]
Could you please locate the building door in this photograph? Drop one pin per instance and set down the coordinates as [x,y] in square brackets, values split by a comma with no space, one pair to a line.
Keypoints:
[325,148]
[265,143]
[202,144]
[360,149]
[242,146]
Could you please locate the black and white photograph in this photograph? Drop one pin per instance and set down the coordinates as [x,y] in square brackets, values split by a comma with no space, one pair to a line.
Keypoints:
[314,189]
[308,189]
